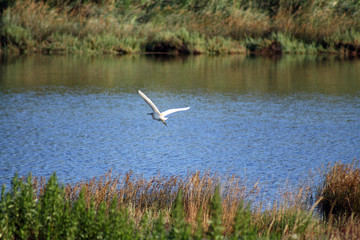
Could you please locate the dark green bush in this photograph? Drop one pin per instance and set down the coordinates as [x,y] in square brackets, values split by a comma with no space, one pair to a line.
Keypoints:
[215,224]
[180,229]
[24,215]
[243,229]
[5,4]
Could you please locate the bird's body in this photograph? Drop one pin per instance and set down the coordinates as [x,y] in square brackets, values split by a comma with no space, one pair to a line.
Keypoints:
[156,114]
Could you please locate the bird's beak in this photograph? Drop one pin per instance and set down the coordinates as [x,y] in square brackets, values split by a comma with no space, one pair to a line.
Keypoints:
[164,123]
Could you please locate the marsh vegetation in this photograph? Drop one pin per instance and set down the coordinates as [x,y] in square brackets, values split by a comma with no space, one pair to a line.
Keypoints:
[198,206]
[180,26]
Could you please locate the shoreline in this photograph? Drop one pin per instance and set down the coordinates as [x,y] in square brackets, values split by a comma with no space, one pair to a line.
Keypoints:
[180,27]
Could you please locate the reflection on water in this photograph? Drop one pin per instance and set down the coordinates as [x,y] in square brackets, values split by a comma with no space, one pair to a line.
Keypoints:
[226,74]
[254,117]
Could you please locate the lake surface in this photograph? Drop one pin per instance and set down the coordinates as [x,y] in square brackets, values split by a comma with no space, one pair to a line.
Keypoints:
[259,118]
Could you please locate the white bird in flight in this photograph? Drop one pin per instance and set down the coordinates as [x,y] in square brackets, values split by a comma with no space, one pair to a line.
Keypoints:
[156,114]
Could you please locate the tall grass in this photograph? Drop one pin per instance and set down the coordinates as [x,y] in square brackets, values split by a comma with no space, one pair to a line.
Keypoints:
[116,207]
[197,206]
[340,191]
[180,26]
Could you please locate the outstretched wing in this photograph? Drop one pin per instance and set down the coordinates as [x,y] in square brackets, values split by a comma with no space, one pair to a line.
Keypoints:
[148,101]
[170,111]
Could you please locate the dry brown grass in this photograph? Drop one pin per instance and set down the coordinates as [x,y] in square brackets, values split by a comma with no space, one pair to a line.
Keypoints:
[315,22]
[157,194]
[341,191]
[239,24]
[290,217]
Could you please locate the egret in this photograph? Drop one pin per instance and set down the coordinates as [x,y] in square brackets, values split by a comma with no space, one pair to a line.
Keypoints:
[156,114]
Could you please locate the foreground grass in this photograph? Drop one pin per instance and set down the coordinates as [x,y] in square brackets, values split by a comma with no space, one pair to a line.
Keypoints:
[180,26]
[193,207]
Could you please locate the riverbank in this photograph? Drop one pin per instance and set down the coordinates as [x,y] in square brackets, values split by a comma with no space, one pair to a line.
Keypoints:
[180,27]
[198,206]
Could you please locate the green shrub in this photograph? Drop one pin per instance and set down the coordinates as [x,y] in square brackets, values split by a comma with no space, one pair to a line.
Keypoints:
[180,229]
[215,224]
[50,208]
[242,227]
[23,215]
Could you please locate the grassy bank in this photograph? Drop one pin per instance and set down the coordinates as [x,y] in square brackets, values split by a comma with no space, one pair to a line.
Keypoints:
[198,206]
[181,26]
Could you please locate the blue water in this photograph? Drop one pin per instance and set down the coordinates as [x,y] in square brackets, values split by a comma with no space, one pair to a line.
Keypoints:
[81,130]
